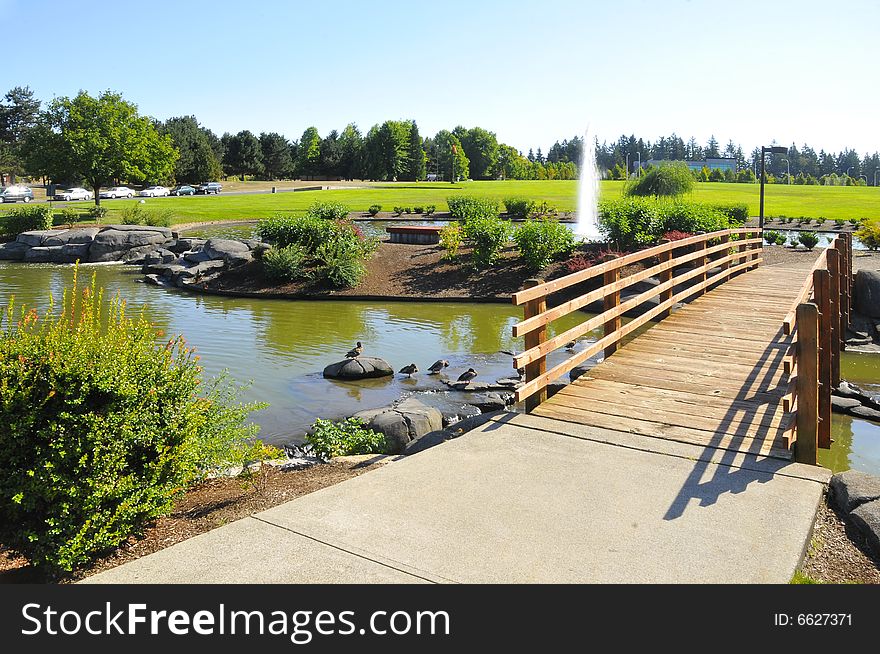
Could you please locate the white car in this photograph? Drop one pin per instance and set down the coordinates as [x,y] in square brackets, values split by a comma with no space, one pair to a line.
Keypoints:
[117,192]
[155,192]
[75,193]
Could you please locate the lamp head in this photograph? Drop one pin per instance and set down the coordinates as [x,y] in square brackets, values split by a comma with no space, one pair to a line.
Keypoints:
[776,149]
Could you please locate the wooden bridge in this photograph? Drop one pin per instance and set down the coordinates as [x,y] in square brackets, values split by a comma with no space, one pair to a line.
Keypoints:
[747,364]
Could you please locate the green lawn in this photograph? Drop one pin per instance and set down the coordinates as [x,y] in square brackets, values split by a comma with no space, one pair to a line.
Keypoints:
[812,201]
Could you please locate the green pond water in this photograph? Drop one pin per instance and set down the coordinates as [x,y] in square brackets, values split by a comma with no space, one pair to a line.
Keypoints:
[281,347]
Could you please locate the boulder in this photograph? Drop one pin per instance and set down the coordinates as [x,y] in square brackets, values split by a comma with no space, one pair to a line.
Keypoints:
[455,414]
[200,269]
[13,251]
[73,236]
[45,255]
[239,259]
[73,252]
[853,488]
[402,423]
[36,237]
[866,412]
[453,431]
[359,368]
[145,254]
[843,404]
[867,518]
[164,231]
[867,293]
[420,417]
[182,245]
[223,248]
[486,402]
[155,280]
[111,244]
[197,257]
[509,382]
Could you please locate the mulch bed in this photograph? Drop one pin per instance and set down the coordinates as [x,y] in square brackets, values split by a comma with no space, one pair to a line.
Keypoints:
[205,506]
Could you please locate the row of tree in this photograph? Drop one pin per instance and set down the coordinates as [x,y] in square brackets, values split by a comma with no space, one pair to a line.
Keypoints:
[52,143]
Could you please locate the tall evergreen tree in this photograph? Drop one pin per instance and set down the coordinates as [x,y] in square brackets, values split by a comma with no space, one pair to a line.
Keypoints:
[277,163]
[416,158]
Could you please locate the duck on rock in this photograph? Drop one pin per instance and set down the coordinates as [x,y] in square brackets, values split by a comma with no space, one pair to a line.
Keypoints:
[409,370]
[438,366]
[355,351]
[467,375]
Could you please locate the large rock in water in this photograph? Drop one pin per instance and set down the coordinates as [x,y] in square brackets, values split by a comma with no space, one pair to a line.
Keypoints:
[359,368]
[403,423]
[13,251]
[73,236]
[853,488]
[867,293]
[112,244]
[224,248]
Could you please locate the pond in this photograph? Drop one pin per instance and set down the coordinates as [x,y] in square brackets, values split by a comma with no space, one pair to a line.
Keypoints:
[281,347]
[825,238]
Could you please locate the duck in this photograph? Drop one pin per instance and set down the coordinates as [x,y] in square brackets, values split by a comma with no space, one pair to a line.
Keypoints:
[467,375]
[355,351]
[570,345]
[521,372]
[409,370]
[437,366]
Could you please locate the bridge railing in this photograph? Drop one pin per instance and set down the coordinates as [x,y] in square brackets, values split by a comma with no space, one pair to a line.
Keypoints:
[817,323]
[714,258]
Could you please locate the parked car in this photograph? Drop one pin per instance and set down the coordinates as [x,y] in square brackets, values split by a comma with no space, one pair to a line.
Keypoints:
[209,187]
[183,189]
[155,192]
[15,193]
[74,193]
[117,192]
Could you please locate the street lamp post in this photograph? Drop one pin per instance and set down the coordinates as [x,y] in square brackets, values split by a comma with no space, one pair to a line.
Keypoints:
[864,177]
[640,163]
[773,149]
[875,176]
[627,165]
[847,171]
[788,171]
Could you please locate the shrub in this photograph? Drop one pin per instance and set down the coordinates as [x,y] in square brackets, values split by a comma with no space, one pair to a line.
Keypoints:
[407,210]
[102,427]
[133,214]
[350,436]
[578,262]
[781,239]
[308,231]
[450,239]
[70,216]
[540,241]
[519,207]
[418,210]
[869,233]
[398,210]
[770,237]
[137,214]
[737,214]
[374,209]
[675,235]
[487,235]
[465,207]
[839,223]
[633,222]
[808,239]
[855,221]
[430,209]
[285,264]
[26,219]
[329,210]
[340,261]
[159,217]
[670,179]
[97,213]
[691,217]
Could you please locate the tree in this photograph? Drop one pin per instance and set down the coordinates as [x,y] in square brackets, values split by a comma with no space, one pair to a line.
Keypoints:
[244,155]
[18,115]
[481,148]
[330,161]
[416,159]
[711,150]
[352,144]
[196,161]
[308,154]
[452,160]
[101,139]
[275,149]
[394,148]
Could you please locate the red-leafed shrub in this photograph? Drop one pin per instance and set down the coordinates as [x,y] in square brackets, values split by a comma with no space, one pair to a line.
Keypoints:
[676,235]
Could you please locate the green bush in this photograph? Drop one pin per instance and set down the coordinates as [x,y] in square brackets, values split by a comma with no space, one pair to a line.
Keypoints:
[407,210]
[737,214]
[329,210]
[430,209]
[308,231]
[97,213]
[519,207]
[540,241]
[869,233]
[398,210]
[374,209]
[102,427]
[286,264]
[487,235]
[808,239]
[133,214]
[670,179]
[160,217]
[770,237]
[418,209]
[839,222]
[450,239]
[329,439]
[633,222]
[465,207]
[781,239]
[26,219]
[71,216]
[138,214]
[341,262]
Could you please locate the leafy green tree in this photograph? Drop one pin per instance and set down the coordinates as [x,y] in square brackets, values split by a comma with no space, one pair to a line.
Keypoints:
[308,154]
[416,158]
[330,162]
[244,155]
[481,148]
[394,140]
[275,149]
[511,164]
[19,112]
[351,142]
[101,140]
[196,161]
[669,179]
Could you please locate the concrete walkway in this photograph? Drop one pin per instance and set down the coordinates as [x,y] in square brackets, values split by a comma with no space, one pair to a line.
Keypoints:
[523,499]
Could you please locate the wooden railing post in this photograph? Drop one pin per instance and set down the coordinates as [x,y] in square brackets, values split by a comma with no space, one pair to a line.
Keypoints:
[611,301]
[822,290]
[533,339]
[665,276]
[724,253]
[806,450]
[840,246]
[702,261]
[848,273]
[757,247]
[833,257]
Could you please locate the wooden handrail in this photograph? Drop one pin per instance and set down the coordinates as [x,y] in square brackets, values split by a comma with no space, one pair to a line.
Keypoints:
[737,256]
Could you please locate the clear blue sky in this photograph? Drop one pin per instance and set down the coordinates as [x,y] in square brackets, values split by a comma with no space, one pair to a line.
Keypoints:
[533,72]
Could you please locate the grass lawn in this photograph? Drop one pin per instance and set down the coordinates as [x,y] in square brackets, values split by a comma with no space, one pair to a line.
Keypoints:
[811,201]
